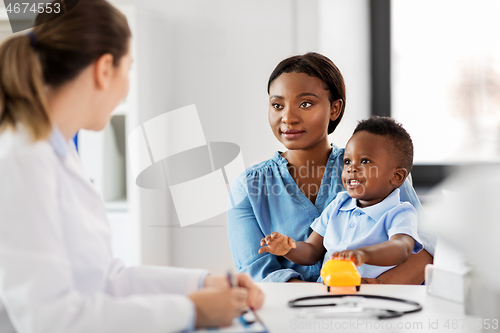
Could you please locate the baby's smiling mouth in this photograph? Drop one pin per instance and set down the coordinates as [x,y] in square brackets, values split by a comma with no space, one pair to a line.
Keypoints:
[352,183]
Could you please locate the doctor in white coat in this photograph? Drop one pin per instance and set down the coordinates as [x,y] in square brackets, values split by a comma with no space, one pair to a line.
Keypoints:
[57,272]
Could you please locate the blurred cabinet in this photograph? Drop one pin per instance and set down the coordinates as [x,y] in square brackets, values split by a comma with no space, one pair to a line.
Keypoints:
[104,156]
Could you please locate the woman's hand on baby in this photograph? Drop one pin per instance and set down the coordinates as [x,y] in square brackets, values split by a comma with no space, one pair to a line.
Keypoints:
[357,256]
[277,244]
[370,281]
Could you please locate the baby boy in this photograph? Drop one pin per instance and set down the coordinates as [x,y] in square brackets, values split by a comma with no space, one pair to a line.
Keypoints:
[367,223]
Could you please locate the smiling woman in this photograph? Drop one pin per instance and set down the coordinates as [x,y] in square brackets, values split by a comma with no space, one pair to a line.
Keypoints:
[289,191]
[300,113]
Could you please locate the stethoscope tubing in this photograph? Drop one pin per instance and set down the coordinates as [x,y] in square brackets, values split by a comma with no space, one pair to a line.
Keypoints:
[389,313]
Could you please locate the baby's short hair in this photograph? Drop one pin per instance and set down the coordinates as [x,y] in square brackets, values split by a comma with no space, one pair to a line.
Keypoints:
[402,146]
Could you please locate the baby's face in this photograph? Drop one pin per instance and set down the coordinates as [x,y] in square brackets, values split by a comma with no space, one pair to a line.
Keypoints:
[368,168]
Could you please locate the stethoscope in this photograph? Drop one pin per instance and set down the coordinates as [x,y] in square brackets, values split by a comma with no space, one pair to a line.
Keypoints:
[350,303]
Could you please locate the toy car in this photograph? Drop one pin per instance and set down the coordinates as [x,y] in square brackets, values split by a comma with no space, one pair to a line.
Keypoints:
[340,273]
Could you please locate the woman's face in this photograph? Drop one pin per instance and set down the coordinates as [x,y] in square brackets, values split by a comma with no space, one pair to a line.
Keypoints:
[300,111]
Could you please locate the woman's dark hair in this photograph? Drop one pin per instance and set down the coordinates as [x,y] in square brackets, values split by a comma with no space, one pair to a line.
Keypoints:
[316,65]
[52,54]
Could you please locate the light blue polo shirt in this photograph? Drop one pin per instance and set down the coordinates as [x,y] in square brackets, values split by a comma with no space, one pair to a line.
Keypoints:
[345,226]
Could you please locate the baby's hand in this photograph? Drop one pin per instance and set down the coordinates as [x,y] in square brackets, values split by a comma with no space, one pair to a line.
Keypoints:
[357,256]
[277,244]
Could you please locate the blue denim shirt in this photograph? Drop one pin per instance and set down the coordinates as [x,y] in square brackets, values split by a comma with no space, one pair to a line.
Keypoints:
[268,199]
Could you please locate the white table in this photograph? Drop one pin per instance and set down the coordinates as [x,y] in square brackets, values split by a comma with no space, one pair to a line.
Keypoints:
[438,315]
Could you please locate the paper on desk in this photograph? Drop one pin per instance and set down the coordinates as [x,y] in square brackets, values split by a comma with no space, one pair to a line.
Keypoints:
[450,259]
[446,277]
[240,326]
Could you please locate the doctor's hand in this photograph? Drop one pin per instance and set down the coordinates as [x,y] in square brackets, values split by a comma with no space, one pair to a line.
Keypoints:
[255,295]
[277,244]
[216,307]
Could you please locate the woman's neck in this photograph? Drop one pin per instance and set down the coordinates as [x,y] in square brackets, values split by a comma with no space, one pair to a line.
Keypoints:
[315,157]
[307,167]
[68,107]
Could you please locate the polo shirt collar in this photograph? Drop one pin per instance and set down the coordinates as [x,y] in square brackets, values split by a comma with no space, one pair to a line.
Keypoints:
[349,204]
[376,211]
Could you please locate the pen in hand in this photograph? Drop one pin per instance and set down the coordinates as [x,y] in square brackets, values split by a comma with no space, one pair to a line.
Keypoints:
[233,283]
[232,280]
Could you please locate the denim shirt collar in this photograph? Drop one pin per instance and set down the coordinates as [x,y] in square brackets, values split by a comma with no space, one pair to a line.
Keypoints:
[376,211]
[58,142]
[330,176]
[280,160]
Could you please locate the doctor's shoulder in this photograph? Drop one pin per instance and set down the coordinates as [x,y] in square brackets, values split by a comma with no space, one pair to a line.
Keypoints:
[19,154]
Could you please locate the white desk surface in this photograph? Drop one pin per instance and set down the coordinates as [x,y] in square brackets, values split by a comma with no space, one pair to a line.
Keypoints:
[437,315]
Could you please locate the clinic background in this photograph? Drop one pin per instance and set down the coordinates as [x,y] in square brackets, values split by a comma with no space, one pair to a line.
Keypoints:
[218,54]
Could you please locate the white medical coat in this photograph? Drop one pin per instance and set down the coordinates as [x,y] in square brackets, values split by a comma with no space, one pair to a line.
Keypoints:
[57,272]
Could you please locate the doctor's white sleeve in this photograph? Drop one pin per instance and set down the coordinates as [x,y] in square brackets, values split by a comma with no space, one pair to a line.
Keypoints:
[37,287]
[126,281]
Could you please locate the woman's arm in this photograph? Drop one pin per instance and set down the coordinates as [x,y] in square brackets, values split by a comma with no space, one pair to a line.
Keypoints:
[412,271]
[34,259]
[298,281]
[139,280]
[244,235]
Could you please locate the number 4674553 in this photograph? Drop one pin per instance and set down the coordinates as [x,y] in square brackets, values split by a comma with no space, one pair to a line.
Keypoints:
[24,7]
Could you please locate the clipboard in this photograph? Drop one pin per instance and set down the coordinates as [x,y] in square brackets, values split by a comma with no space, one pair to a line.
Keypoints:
[247,323]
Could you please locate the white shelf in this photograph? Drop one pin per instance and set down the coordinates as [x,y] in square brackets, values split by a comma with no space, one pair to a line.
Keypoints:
[3,15]
[121,110]
[104,156]
[120,205]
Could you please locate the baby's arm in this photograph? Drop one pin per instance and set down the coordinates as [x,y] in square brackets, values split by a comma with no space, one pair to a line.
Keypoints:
[393,252]
[303,253]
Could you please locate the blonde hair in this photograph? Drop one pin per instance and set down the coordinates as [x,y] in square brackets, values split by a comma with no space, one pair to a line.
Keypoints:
[55,53]
[22,96]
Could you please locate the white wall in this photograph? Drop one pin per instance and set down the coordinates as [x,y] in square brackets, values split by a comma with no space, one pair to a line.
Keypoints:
[218,55]
[344,37]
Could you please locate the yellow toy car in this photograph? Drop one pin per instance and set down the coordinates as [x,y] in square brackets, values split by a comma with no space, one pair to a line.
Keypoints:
[340,273]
